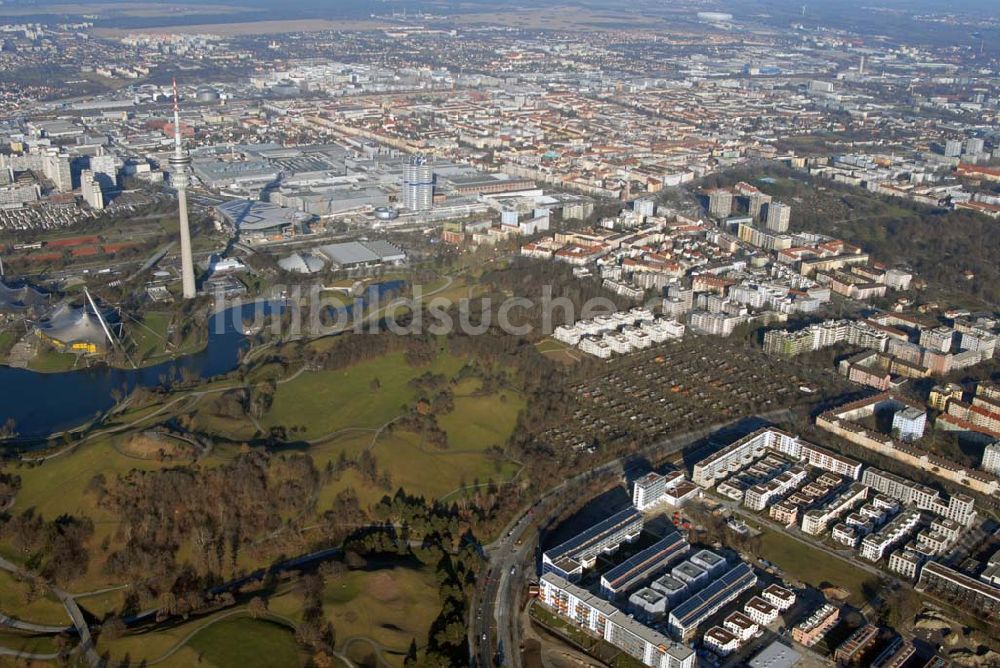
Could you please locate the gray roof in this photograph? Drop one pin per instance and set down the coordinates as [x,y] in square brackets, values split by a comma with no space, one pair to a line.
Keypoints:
[248,215]
[351,252]
[776,655]
[361,252]
[383,249]
[301,263]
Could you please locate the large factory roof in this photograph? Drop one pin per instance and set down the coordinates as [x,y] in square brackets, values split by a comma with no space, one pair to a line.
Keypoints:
[353,253]
[250,216]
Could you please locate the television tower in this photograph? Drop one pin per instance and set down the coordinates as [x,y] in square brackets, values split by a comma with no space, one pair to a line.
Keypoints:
[179,163]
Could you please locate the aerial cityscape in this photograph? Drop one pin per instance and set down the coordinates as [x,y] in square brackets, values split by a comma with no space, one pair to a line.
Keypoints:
[486,333]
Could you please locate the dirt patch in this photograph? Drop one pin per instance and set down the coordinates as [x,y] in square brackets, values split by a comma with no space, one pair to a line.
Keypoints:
[151,445]
[383,588]
[249,28]
[531,655]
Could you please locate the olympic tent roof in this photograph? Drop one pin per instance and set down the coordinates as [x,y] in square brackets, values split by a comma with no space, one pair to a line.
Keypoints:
[20,298]
[73,324]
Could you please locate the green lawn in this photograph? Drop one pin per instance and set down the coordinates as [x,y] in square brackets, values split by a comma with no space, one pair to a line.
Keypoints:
[39,607]
[8,338]
[391,606]
[479,422]
[150,336]
[813,566]
[550,345]
[321,402]
[242,641]
[202,642]
[419,469]
[57,486]
[52,361]
[431,472]
[26,643]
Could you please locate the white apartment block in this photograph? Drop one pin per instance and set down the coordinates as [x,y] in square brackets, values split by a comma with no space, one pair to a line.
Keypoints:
[873,547]
[607,622]
[815,521]
[660,330]
[570,558]
[568,334]
[742,453]
[845,534]
[637,338]
[650,489]
[960,507]
[740,626]
[906,563]
[715,324]
[760,496]
[991,458]
[781,598]
[618,343]
[760,611]
[596,347]
[721,641]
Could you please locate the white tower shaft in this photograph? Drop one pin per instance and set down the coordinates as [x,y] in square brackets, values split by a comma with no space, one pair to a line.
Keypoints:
[179,163]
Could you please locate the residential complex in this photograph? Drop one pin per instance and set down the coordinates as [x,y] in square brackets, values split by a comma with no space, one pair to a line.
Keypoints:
[571,558]
[607,622]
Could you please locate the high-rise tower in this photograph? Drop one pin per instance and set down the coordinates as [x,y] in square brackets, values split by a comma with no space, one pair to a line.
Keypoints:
[418,185]
[179,163]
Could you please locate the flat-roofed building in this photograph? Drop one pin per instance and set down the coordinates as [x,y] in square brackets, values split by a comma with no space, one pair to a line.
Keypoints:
[896,655]
[605,621]
[685,618]
[650,489]
[743,452]
[960,507]
[856,645]
[571,558]
[741,626]
[809,631]
[760,496]
[709,560]
[674,589]
[906,563]
[690,574]
[784,512]
[721,641]
[874,546]
[648,604]
[776,655]
[641,567]
[978,597]
[781,598]
[353,254]
[760,611]
[815,521]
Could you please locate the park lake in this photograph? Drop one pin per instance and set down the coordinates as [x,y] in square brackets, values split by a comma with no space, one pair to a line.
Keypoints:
[45,403]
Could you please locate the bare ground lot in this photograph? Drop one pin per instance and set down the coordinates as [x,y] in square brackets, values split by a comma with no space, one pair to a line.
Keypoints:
[123,9]
[249,28]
